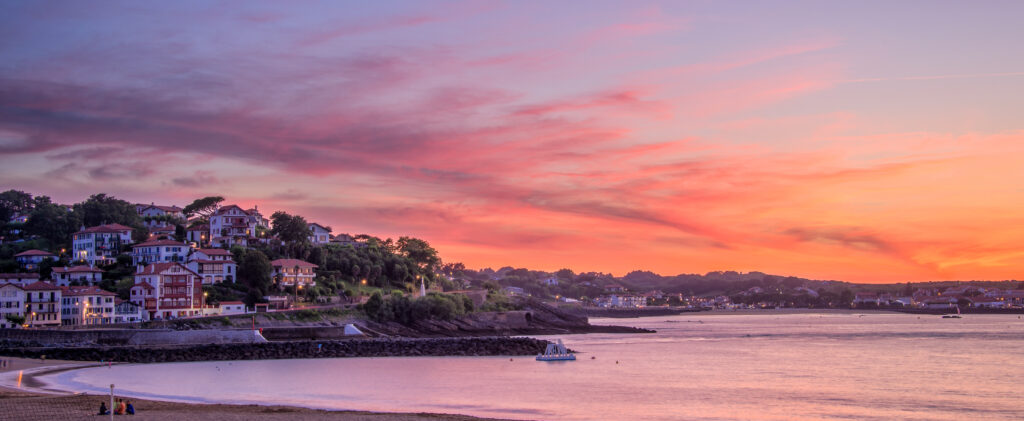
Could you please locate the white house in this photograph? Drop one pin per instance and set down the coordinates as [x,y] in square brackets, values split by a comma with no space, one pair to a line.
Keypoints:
[100,244]
[232,225]
[127,312]
[159,251]
[622,301]
[159,216]
[213,265]
[232,307]
[86,305]
[866,298]
[12,302]
[20,279]
[319,234]
[290,271]
[167,290]
[30,259]
[82,275]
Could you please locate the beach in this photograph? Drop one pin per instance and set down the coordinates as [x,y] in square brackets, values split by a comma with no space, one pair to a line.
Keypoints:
[31,402]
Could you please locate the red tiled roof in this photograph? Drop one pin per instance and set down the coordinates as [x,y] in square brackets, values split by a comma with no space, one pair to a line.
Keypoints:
[225,208]
[41,286]
[143,284]
[73,269]
[159,243]
[171,208]
[156,268]
[34,253]
[321,226]
[231,302]
[107,228]
[3,284]
[215,252]
[292,263]
[203,227]
[76,291]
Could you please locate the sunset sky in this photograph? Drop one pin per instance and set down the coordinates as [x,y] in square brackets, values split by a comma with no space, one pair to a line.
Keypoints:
[859,141]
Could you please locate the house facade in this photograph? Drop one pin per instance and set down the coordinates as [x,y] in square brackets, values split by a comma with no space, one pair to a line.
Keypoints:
[86,305]
[127,312]
[12,302]
[167,291]
[292,271]
[213,265]
[232,307]
[199,234]
[159,216]
[42,304]
[79,275]
[621,300]
[231,225]
[159,251]
[319,234]
[30,259]
[100,244]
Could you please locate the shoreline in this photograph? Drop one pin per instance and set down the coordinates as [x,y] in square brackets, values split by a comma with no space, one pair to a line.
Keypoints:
[32,400]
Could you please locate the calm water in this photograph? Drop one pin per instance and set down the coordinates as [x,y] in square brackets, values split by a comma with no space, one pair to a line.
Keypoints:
[705,367]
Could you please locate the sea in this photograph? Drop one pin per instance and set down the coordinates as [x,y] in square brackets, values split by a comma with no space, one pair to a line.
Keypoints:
[698,366]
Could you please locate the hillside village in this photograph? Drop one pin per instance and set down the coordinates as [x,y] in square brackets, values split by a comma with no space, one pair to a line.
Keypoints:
[107,261]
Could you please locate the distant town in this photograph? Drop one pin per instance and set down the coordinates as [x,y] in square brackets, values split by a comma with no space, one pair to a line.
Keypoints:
[107,261]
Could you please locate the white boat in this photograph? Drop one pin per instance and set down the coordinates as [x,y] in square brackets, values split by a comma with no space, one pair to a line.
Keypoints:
[556,352]
[953,316]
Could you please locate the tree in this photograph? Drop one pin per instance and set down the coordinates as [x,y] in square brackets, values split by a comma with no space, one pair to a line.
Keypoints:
[566,274]
[46,268]
[419,251]
[453,269]
[14,202]
[203,208]
[254,271]
[52,222]
[289,228]
[101,209]
[179,233]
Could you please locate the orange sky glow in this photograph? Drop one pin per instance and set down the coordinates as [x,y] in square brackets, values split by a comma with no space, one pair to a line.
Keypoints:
[825,141]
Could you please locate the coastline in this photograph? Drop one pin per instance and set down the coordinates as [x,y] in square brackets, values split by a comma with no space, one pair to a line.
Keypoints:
[30,400]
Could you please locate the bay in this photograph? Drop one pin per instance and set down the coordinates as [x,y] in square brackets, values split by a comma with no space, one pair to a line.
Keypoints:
[767,366]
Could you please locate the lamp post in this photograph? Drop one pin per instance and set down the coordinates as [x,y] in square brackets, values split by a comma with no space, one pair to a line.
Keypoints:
[204,303]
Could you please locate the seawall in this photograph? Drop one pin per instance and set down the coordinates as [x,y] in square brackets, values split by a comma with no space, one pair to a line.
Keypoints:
[377,347]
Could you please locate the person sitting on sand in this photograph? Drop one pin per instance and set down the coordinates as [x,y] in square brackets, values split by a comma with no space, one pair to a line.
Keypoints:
[120,407]
[103,408]
[130,409]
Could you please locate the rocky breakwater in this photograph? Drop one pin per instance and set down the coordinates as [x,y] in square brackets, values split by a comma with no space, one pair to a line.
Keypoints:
[375,347]
[534,318]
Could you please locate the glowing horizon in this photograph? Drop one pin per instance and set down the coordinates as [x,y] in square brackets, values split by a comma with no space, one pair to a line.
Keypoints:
[865,143]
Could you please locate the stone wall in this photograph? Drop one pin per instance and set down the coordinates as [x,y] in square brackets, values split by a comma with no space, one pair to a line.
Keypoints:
[128,336]
[378,347]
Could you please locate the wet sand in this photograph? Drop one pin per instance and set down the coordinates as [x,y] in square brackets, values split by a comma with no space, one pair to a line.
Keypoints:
[28,400]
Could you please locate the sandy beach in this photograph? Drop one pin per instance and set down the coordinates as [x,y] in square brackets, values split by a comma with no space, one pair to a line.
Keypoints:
[27,400]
